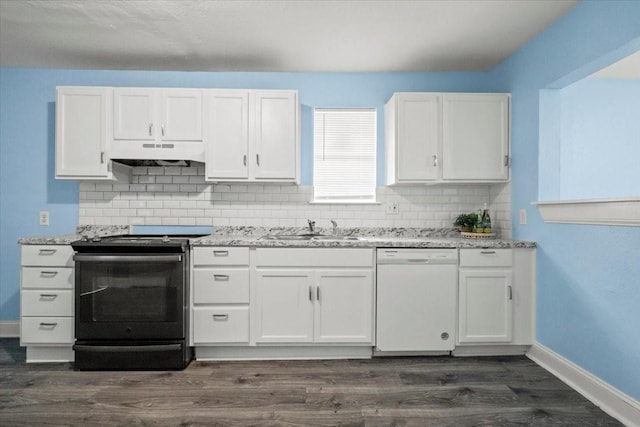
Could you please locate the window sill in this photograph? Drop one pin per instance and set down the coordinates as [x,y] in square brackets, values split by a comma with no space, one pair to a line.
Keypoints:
[621,212]
[344,202]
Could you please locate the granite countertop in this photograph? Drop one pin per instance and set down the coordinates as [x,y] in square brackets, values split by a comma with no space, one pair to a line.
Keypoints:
[253,236]
[368,238]
[82,230]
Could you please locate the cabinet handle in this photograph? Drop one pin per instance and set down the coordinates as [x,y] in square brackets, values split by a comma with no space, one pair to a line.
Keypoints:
[220,253]
[47,251]
[310,293]
[50,296]
[48,274]
[48,325]
[244,160]
[318,293]
[506,160]
[221,277]
[162,129]
[150,129]
[220,317]
[435,160]
[102,157]
[510,292]
[258,159]
[487,252]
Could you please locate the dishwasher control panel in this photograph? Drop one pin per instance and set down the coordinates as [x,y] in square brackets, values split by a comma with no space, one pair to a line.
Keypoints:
[417,256]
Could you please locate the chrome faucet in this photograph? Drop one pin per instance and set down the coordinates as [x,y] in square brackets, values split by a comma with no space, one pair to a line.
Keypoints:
[335,227]
[312,225]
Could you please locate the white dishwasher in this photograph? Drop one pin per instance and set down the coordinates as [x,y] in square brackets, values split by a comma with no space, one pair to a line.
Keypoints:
[416,301]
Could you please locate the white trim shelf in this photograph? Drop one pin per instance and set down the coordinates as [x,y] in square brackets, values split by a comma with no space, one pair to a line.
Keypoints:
[622,211]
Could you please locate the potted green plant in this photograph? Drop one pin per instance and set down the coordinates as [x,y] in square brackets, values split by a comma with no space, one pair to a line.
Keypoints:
[466,222]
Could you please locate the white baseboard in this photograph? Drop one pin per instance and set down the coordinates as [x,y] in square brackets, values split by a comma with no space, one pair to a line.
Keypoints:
[9,328]
[620,406]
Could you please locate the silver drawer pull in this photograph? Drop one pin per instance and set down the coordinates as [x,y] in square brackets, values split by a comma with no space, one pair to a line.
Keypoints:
[47,251]
[418,260]
[168,145]
[48,325]
[221,277]
[49,296]
[220,253]
[487,252]
[48,274]
[220,317]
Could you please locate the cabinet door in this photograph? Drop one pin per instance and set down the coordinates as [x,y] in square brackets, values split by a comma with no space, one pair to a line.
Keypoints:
[82,118]
[227,134]
[275,138]
[475,137]
[418,137]
[135,112]
[344,306]
[485,306]
[284,306]
[416,307]
[181,115]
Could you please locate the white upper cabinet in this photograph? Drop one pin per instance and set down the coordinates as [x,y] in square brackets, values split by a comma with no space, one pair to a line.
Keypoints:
[83,125]
[251,136]
[475,137]
[276,135]
[441,137]
[227,134]
[412,137]
[151,123]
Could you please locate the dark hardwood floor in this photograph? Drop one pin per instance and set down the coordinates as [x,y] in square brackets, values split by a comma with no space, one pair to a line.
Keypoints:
[422,391]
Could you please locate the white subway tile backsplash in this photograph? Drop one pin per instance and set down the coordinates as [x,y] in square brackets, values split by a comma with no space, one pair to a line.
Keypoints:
[179,196]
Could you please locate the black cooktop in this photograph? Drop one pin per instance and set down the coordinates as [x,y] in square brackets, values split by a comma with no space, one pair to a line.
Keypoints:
[126,242]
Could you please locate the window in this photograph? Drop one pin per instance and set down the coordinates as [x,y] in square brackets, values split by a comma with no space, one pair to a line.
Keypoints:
[344,155]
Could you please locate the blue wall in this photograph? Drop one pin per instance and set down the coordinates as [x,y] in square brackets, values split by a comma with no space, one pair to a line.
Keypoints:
[585,129]
[27,136]
[588,288]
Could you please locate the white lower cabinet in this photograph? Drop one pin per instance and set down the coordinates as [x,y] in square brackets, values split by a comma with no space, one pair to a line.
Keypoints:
[496,301]
[220,295]
[319,296]
[485,306]
[46,302]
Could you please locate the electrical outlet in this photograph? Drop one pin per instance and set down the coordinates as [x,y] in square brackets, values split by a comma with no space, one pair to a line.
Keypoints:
[393,208]
[523,217]
[44,217]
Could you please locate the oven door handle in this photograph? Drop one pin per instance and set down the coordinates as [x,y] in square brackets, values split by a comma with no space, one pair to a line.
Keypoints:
[126,348]
[84,294]
[128,258]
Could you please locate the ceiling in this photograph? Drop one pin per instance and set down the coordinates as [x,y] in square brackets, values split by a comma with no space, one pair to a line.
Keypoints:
[270,35]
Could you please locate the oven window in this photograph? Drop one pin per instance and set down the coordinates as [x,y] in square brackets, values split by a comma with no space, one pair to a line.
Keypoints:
[130,291]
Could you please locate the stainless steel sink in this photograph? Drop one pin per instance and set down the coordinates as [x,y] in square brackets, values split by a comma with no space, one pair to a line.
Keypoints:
[307,237]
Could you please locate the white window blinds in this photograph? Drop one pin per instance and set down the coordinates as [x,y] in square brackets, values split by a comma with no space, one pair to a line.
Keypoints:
[344,155]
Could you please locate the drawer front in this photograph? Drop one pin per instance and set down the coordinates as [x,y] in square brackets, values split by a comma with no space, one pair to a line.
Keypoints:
[47,255]
[486,257]
[315,257]
[220,285]
[220,325]
[47,303]
[220,256]
[47,278]
[46,330]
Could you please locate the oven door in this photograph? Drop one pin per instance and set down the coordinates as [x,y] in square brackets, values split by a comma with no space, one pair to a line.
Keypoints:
[130,296]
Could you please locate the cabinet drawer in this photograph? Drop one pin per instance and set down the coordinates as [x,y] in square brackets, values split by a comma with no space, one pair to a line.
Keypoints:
[46,330]
[315,257]
[220,325]
[486,257]
[47,303]
[47,255]
[220,285]
[220,256]
[48,278]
